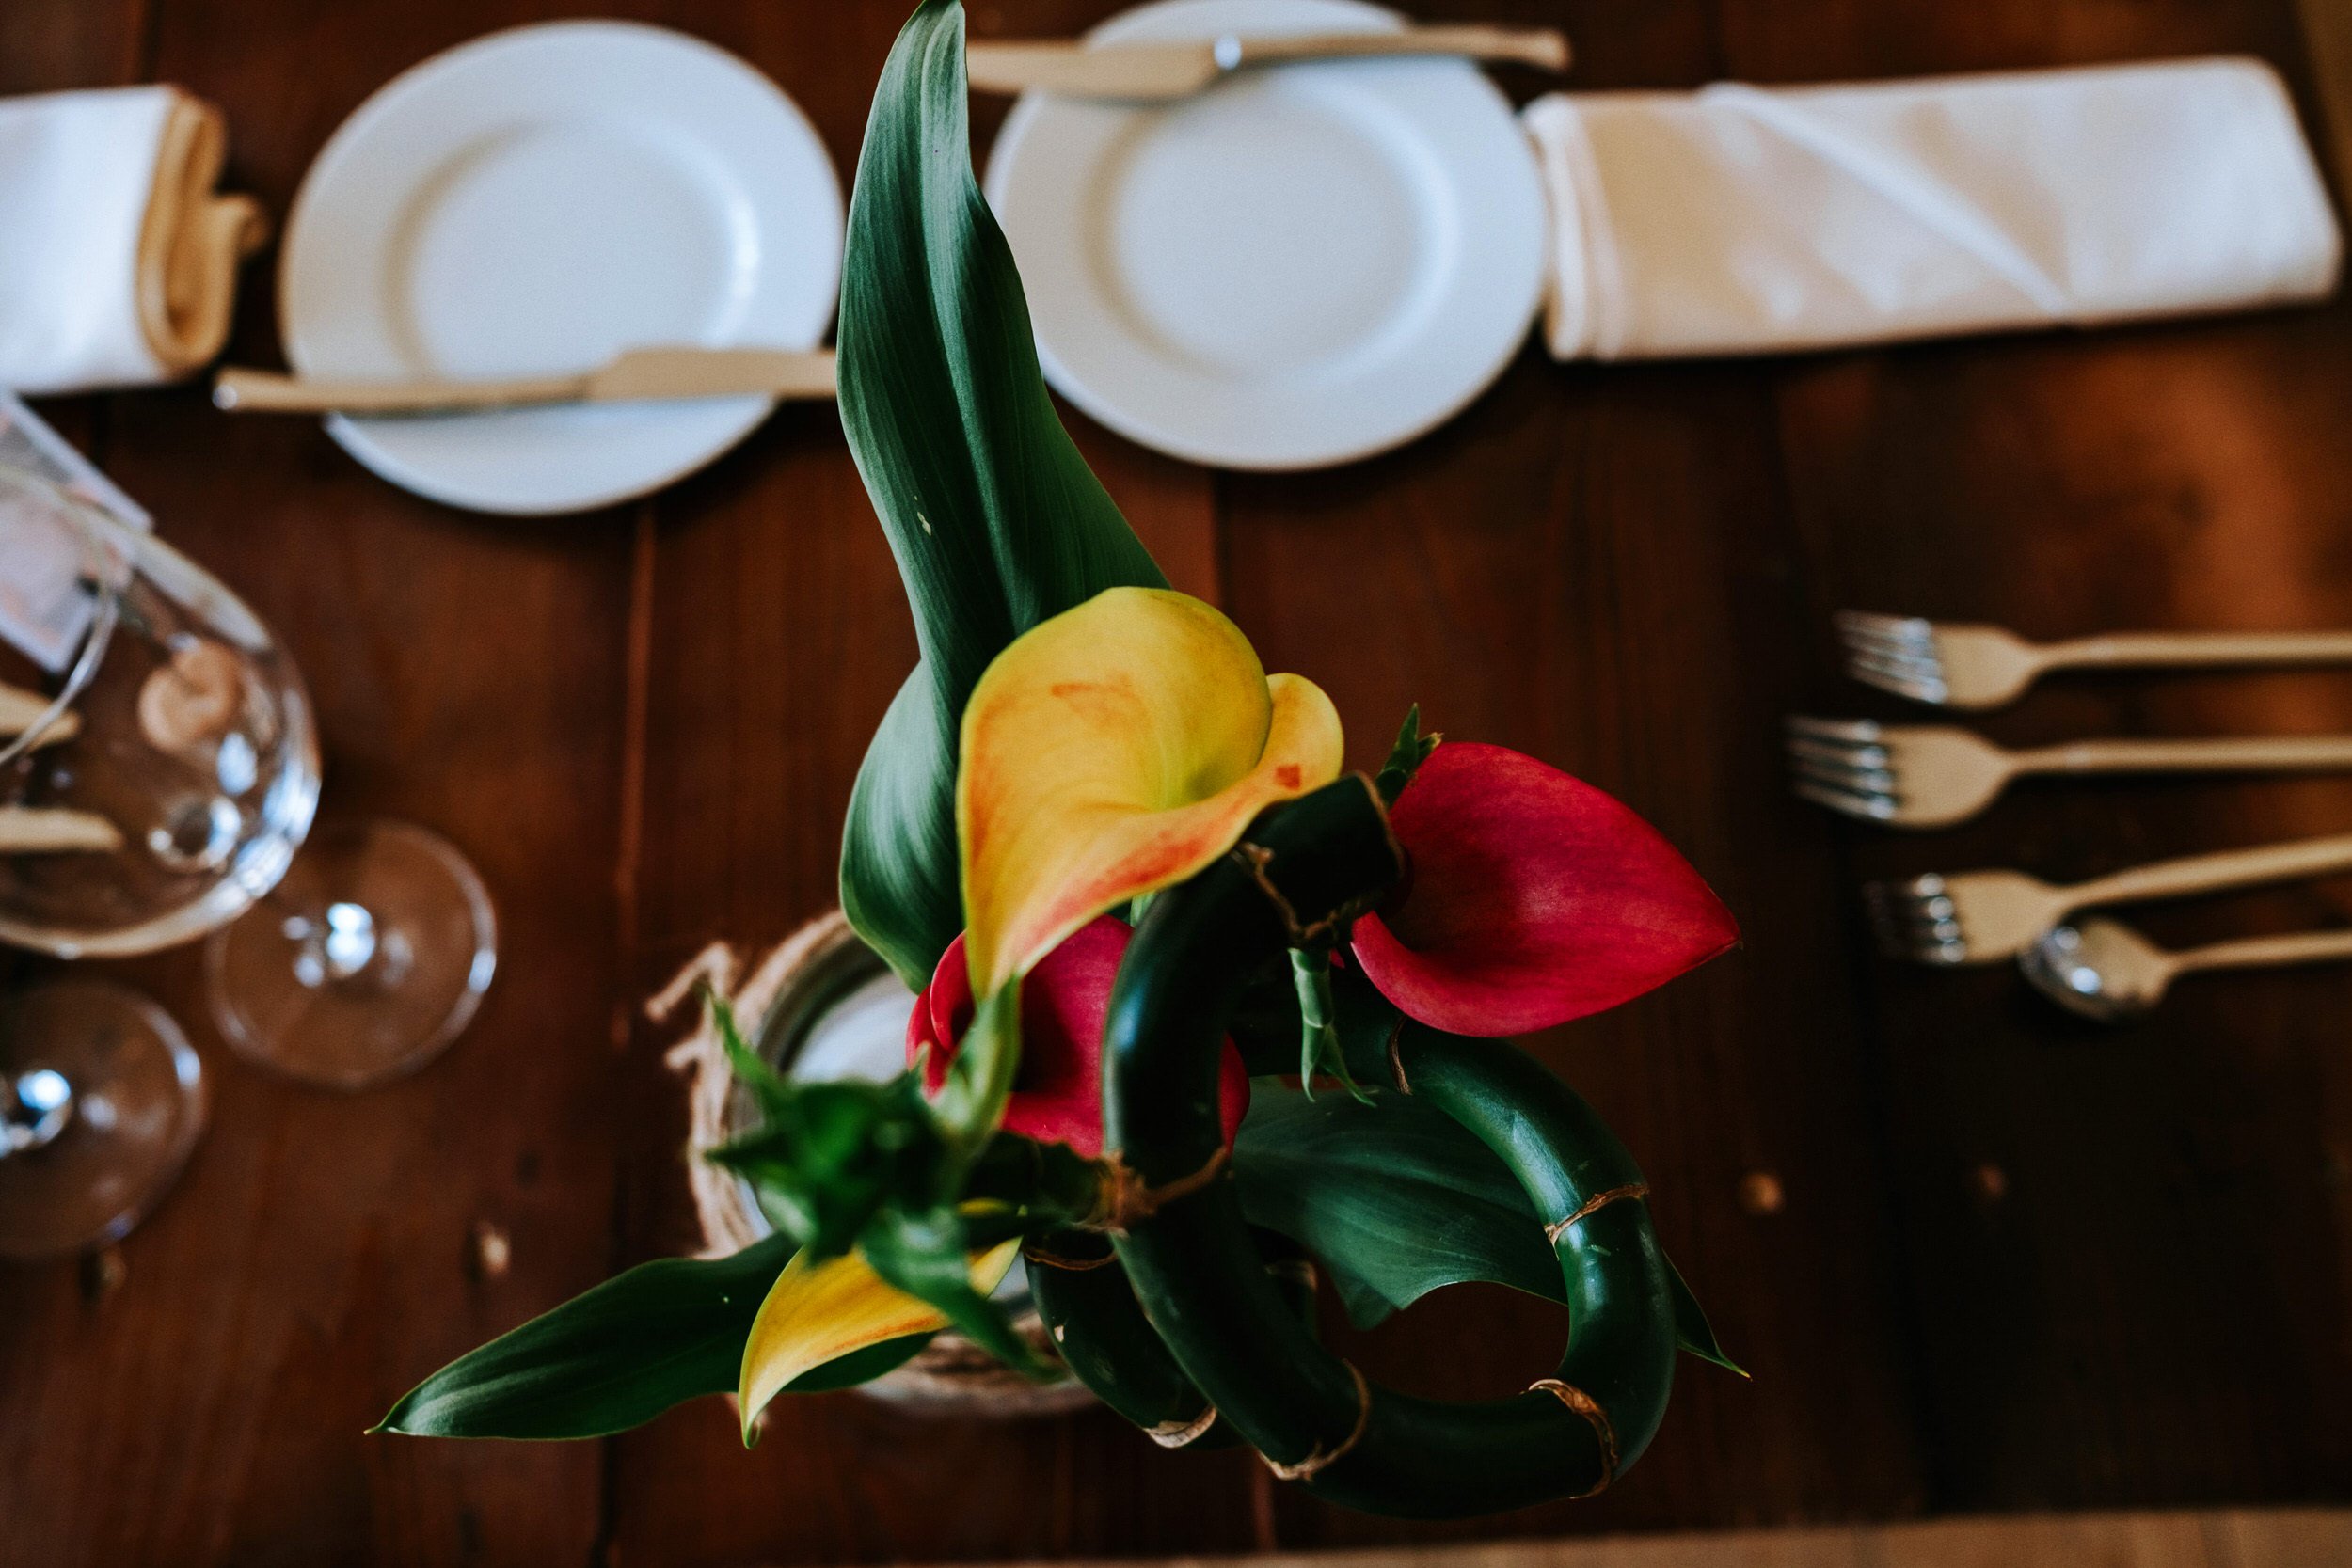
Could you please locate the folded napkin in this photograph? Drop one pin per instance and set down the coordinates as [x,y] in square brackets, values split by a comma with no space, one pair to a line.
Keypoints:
[1739,219]
[117,260]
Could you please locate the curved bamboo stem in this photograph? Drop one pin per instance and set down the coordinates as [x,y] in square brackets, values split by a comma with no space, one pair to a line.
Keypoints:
[1308,1412]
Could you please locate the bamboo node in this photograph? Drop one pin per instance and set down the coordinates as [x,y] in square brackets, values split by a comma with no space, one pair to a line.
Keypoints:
[1124,1199]
[1068,1266]
[1300,1271]
[1259,859]
[1175,1434]
[1592,1205]
[1585,1405]
[1317,1461]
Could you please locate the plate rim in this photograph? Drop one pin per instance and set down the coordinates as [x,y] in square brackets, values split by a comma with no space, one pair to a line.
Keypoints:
[353,435]
[1017,126]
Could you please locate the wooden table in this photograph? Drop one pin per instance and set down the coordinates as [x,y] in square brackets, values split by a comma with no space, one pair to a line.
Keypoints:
[2017,1262]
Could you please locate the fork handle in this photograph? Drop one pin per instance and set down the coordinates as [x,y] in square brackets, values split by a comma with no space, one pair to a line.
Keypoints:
[2173,878]
[2285,753]
[2303,947]
[2150,648]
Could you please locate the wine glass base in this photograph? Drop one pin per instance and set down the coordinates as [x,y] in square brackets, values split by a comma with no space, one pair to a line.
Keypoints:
[364,962]
[138,1107]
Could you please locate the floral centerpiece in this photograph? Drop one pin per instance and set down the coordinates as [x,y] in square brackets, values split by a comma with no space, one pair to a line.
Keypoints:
[1193,1002]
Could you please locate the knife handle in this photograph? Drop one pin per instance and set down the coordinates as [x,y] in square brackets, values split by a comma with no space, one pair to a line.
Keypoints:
[248,392]
[1546,48]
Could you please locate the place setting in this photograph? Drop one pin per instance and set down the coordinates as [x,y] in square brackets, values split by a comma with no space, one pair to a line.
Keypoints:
[563,265]
[1930,776]
[1139,1008]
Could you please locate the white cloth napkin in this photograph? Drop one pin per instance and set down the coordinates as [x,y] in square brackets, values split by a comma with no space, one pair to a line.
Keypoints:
[116,261]
[1739,219]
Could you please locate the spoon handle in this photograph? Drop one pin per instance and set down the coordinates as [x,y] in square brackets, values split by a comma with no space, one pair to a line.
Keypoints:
[2282,753]
[2303,947]
[2173,878]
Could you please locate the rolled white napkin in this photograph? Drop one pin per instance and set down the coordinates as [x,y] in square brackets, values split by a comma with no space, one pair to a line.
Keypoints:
[1739,219]
[117,261]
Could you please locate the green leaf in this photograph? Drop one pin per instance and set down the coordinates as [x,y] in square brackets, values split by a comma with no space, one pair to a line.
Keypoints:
[995,520]
[1691,1329]
[1411,750]
[827,1154]
[899,867]
[1394,1198]
[971,1101]
[1398,1200]
[928,1255]
[620,1354]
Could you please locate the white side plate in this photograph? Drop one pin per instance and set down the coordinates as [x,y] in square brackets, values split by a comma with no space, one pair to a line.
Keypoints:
[533,202]
[1301,266]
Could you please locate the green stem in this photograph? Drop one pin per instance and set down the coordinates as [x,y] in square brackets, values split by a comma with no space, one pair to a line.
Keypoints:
[1318,1018]
[1192,1263]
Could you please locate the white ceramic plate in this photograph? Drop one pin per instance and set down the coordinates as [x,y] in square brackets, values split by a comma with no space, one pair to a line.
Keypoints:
[1298,267]
[534,202]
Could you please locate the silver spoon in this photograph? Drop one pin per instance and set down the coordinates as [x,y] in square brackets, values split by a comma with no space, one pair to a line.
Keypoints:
[2103,969]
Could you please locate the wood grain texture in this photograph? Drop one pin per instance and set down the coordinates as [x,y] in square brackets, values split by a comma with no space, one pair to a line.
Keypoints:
[2285,1538]
[2014,1265]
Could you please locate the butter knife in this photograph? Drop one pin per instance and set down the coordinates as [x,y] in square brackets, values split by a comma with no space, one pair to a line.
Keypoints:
[1163,70]
[640,375]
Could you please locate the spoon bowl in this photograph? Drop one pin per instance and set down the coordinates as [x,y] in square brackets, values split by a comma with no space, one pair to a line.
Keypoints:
[2099,968]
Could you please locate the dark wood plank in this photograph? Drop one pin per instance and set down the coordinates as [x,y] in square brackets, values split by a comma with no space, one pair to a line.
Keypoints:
[317,1258]
[48,48]
[644,726]
[2126,1250]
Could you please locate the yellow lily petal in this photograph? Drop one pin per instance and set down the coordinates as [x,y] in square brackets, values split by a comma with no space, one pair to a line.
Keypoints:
[819,1312]
[1112,751]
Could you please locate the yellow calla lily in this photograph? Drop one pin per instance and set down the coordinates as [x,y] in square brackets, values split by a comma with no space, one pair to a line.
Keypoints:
[819,1312]
[1112,751]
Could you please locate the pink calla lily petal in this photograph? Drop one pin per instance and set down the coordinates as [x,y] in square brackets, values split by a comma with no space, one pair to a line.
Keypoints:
[1535,898]
[1057,1097]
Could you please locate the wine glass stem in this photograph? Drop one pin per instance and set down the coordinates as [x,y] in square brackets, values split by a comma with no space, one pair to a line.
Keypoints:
[343,945]
[34,1111]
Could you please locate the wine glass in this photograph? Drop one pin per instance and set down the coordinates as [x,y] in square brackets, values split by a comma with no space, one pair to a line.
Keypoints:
[158,770]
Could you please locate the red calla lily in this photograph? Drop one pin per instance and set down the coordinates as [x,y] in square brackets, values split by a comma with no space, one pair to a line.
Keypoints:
[1057,1097]
[1535,898]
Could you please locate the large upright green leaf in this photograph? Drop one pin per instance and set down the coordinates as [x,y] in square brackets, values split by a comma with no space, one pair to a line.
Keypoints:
[621,1354]
[1397,1199]
[995,520]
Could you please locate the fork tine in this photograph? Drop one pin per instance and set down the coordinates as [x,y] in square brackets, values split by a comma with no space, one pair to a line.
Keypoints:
[1912,926]
[1904,666]
[1873,781]
[1867,637]
[1838,754]
[1903,678]
[1906,628]
[1904,661]
[1919,688]
[1870,808]
[1833,729]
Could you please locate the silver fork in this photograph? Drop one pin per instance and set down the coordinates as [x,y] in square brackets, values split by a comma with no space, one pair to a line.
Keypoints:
[1934,775]
[1973,917]
[1963,666]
